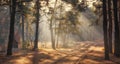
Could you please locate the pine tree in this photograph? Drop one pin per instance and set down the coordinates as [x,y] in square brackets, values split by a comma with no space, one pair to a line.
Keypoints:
[11,32]
[117,35]
[105,24]
[110,26]
[37,25]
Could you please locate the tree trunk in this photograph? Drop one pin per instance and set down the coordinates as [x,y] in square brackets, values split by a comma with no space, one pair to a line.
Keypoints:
[57,43]
[51,28]
[37,25]
[119,15]
[52,38]
[11,32]
[65,45]
[117,35]
[23,39]
[110,26]
[105,23]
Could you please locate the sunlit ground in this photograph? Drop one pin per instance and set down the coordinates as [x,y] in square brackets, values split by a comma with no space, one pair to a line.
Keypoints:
[85,53]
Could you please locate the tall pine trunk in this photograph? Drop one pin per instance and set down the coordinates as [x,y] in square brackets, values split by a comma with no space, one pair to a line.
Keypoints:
[37,25]
[11,32]
[23,39]
[117,35]
[119,13]
[105,24]
[110,26]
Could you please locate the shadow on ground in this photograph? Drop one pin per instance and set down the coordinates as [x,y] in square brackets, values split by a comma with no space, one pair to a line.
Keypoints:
[84,53]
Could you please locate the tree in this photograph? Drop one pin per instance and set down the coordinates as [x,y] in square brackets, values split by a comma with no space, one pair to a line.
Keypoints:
[11,32]
[110,29]
[23,39]
[51,26]
[37,25]
[117,33]
[22,19]
[105,24]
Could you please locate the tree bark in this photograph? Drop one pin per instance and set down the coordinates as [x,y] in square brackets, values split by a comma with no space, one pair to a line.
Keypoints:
[11,32]
[23,39]
[110,26]
[22,19]
[117,35]
[105,24]
[37,25]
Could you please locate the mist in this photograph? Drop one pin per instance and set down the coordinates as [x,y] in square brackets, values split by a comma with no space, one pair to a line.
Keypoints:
[84,25]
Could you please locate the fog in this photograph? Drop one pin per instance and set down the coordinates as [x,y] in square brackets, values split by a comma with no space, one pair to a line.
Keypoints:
[70,23]
[84,25]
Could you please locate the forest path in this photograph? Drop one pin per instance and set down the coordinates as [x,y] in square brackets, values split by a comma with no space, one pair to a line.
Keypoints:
[84,53]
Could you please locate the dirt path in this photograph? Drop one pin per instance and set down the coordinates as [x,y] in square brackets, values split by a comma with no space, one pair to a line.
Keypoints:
[84,53]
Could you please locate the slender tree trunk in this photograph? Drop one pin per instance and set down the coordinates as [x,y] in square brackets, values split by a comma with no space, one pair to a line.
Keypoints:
[57,43]
[37,25]
[105,23]
[110,26]
[52,33]
[23,39]
[52,38]
[22,26]
[27,34]
[117,35]
[64,36]
[11,32]
[51,28]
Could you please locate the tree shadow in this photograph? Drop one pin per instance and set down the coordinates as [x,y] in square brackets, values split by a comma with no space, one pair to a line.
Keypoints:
[67,59]
[38,57]
[30,57]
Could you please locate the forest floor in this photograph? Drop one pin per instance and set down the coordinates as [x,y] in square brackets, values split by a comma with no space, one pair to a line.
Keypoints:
[84,53]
